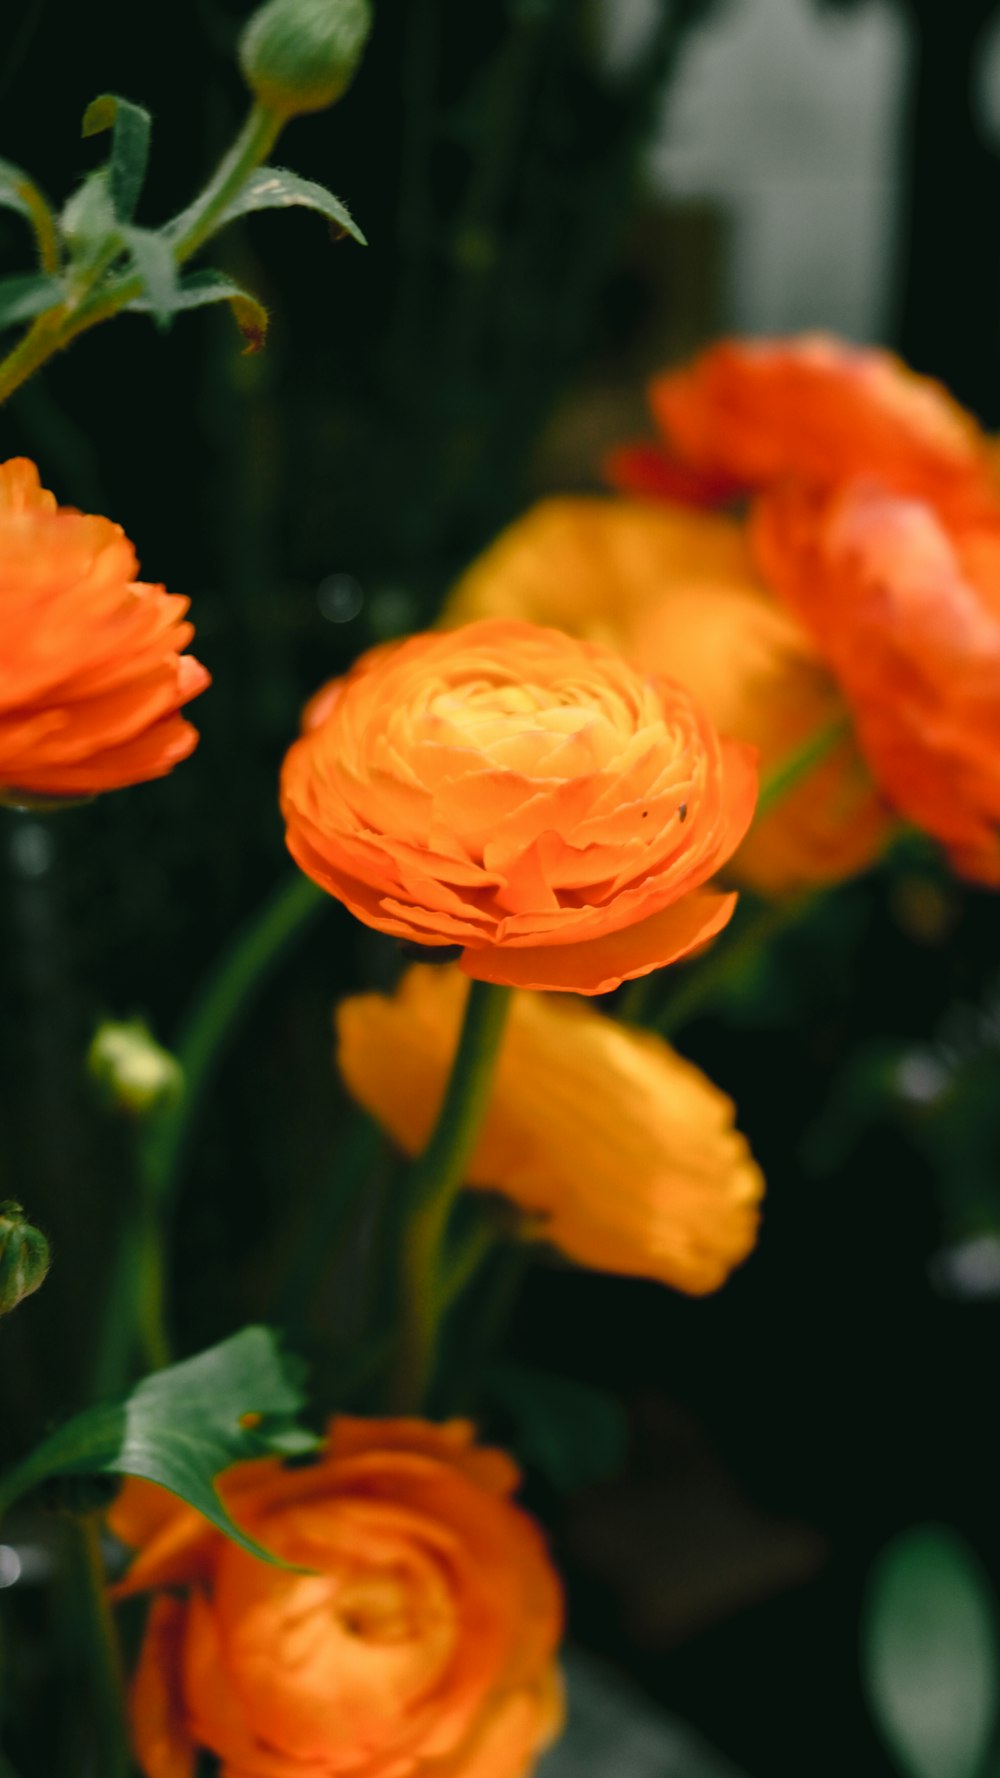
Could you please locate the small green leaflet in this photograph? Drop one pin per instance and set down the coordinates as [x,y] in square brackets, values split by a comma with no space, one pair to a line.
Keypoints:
[273,188]
[15,188]
[931,1654]
[130,128]
[24,297]
[199,289]
[182,1426]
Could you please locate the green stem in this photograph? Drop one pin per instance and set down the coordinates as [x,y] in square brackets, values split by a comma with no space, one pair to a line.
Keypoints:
[104,1654]
[56,329]
[712,976]
[789,774]
[434,1183]
[134,1313]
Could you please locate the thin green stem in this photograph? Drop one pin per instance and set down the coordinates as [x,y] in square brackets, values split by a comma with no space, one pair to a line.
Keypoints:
[433,1185]
[134,1315]
[58,327]
[103,1652]
[787,776]
[710,979]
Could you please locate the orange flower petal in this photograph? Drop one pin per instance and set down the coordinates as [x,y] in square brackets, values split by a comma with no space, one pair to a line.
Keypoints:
[597,965]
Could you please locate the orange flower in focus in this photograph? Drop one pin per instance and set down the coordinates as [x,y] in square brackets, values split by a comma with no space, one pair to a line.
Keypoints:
[678,591]
[421,1642]
[524,795]
[92,675]
[907,613]
[626,1153]
[813,409]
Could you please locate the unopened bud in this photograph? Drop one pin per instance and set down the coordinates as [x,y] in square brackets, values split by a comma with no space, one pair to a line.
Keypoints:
[300,55]
[137,1073]
[24,1257]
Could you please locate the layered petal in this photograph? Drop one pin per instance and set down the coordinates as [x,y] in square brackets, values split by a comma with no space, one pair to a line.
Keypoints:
[624,1153]
[906,610]
[680,592]
[508,788]
[420,1643]
[815,410]
[93,675]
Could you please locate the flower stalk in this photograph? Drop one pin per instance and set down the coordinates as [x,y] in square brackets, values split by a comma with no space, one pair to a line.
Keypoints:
[433,1186]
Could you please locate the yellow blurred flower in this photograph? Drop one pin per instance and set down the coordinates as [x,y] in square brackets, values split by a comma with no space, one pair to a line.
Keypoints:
[676,590]
[624,1151]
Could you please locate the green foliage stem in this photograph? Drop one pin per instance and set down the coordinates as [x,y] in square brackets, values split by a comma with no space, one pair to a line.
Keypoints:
[433,1185]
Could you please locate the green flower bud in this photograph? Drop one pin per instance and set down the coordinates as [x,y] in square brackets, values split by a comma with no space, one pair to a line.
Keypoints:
[300,55]
[24,1257]
[137,1073]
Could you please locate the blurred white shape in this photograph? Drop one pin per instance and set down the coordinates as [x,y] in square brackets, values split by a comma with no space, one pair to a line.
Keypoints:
[340,598]
[970,1270]
[625,29]
[32,848]
[10,1565]
[789,117]
[921,1078]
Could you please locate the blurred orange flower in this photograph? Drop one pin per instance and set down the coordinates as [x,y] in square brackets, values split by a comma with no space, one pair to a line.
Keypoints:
[678,591]
[625,1152]
[92,676]
[906,610]
[422,1641]
[813,409]
[524,795]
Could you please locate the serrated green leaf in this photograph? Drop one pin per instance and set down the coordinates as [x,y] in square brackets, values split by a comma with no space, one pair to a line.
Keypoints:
[573,1434]
[199,289]
[153,259]
[22,298]
[274,188]
[180,1427]
[931,1654]
[130,128]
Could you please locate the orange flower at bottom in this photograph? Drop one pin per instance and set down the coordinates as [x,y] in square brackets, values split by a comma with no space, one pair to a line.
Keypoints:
[625,1152]
[422,1642]
[92,676]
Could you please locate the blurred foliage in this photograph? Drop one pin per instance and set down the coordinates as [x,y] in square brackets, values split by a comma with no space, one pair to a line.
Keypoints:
[931,1655]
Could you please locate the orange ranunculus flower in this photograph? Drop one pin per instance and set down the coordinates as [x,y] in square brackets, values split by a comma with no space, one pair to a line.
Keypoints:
[678,590]
[906,610]
[527,796]
[625,1152]
[422,1640]
[92,676]
[814,409]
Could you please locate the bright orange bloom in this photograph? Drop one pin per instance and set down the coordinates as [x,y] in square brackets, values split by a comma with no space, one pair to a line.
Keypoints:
[91,676]
[814,409]
[521,794]
[678,591]
[907,612]
[624,1153]
[422,1641]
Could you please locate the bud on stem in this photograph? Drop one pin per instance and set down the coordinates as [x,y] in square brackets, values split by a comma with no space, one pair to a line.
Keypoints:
[301,55]
[136,1073]
[24,1257]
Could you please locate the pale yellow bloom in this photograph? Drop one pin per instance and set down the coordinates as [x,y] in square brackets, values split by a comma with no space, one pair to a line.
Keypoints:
[626,1153]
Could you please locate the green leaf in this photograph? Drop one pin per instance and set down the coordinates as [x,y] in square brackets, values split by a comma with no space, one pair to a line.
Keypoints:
[22,298]
[273,188]
[931,1654]
[130,128]
[199,289]
[574,1434]
[153,259]
[182,1426]
[18,192]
